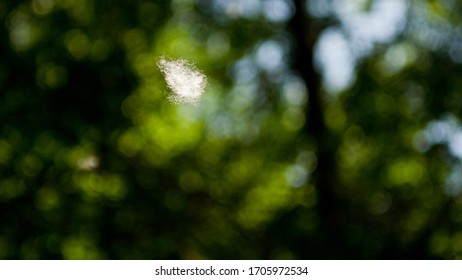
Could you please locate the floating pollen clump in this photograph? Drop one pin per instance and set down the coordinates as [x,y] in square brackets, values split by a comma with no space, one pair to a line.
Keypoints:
[184,80]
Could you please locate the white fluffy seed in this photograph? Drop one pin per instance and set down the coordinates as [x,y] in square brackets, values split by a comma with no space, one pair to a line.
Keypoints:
[184,80]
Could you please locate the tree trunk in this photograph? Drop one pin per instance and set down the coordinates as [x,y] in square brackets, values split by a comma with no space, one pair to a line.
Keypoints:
[305,32]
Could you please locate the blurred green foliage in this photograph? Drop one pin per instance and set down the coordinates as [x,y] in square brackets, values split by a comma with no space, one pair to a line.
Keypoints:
[96,163]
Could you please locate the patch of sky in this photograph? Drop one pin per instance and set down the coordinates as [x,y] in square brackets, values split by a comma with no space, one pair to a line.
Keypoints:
[338,50]
[270,56]
[278,11]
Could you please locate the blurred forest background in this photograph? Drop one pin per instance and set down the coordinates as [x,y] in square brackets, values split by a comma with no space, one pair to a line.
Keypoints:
[329,129]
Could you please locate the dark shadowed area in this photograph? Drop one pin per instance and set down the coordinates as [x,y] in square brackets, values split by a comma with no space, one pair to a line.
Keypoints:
[328,129]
